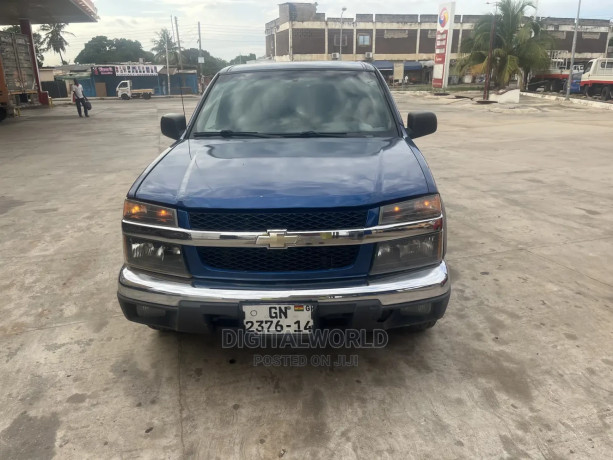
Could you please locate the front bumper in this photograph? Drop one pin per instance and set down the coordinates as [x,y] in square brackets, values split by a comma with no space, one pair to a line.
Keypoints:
[193,306]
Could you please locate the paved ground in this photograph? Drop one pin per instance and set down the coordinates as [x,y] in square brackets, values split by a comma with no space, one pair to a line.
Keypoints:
[520,367]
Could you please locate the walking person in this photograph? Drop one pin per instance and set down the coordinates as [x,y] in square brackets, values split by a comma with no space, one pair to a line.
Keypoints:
[77,90]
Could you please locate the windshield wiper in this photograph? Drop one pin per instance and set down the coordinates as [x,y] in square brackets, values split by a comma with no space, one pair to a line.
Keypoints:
[313,134]
[229,133]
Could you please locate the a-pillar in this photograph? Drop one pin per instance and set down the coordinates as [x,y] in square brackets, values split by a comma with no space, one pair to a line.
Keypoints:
[26,29]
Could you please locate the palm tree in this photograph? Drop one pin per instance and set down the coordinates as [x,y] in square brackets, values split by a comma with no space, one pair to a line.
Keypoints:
[159,48]
[521,44]
[53,38]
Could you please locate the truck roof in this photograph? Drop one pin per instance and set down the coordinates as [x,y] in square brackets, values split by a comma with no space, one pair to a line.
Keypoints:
[310,65]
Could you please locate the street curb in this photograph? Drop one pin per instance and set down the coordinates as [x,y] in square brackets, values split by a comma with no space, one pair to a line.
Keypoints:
[596,104]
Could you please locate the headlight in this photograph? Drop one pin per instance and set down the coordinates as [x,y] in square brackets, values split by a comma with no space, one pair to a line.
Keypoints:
[424,208]
[408,253]
[149,213]
[155,256]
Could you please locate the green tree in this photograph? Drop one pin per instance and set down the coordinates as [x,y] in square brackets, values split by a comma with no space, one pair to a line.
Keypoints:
[53,38]
[103,50]
[38,43]
[164,37]
[242,58]
[521,44]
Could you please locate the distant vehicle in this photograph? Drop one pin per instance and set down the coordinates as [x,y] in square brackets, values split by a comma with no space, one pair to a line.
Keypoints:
[16,71]
[554,78]
[281,215]
[126,92]
[597,78]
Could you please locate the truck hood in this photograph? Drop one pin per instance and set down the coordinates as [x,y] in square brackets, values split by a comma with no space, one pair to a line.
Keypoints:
[283,173]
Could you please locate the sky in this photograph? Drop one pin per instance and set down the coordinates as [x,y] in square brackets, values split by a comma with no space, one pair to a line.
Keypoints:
[233,27]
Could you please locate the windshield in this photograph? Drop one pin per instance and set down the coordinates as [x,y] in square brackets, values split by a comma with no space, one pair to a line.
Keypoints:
[588,67]
[294,102]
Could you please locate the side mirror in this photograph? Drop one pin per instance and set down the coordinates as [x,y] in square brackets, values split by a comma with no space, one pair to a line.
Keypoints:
[173,125]
[421,124]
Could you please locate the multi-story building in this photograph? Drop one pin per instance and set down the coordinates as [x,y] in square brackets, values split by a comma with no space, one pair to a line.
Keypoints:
[400,44]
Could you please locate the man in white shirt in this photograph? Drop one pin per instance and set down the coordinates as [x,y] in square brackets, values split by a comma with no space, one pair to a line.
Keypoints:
[77,90]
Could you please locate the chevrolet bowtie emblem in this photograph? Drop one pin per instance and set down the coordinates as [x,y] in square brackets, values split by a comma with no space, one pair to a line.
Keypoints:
[276,239]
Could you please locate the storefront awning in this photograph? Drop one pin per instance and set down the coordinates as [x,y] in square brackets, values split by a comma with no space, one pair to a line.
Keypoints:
[47,11]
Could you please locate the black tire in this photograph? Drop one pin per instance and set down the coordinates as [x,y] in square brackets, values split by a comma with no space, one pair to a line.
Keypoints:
[588,91]
[556,86]
[547,86]
[147,96]
[3,113]
[420,327]
[125,97]
[605,93]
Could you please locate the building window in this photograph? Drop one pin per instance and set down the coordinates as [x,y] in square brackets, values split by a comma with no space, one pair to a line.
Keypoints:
[590,35]
[395,33]
[363,40]
[337,39]
[431,33]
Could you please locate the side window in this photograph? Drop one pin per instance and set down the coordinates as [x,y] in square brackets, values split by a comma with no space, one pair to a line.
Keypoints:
[337,39]
[363,40]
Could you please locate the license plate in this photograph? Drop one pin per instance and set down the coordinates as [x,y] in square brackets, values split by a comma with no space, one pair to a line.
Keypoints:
[279,319]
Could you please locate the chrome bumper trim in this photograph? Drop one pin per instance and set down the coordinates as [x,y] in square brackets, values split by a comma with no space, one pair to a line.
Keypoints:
[287,238]
[389,290]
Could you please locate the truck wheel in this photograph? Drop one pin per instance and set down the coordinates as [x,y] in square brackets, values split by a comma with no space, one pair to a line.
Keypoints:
[125,97]
[547,87]
[3,113]
[147,96]
[587,91]
[605,94]
[556,86]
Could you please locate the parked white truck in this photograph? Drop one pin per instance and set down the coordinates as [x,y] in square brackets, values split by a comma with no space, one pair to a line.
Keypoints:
[597,78]
[125,91]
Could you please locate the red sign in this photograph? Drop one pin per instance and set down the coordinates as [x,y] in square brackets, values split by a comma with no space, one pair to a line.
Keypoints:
[104,70]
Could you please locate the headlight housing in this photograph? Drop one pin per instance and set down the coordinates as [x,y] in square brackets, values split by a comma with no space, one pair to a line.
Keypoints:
[408,253]
[424,208]
[155,256]
[145,213]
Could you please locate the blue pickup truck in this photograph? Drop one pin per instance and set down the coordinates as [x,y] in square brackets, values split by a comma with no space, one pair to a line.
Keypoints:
[293,200]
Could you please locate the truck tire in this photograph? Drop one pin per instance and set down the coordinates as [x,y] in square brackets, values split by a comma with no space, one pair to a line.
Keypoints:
[588,91]
[147,96]
[605,93]
[3,113]
[125,97]
[556,86]
[547,86]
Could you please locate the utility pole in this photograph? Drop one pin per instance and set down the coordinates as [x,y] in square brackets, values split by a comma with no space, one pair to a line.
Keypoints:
[179,44]
[569,82]
[340,46]
[199,55]
[172,28]
[486,90]
[167,65]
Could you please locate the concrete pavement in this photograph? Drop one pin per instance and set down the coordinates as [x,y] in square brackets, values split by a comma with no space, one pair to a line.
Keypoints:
[520,367]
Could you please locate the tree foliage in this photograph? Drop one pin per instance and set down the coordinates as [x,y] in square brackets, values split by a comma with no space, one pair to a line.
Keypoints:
[53,38]
[189,56]
[164,37]
[243,58]
[104,50]
[521,44]
[38,43]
